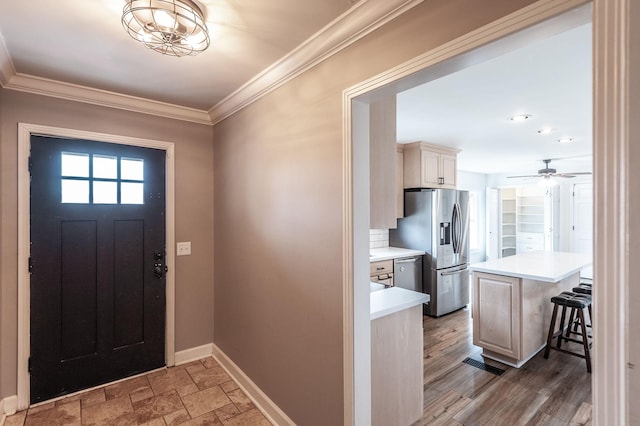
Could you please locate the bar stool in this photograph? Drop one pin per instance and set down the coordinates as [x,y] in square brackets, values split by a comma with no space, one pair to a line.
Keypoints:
[577,302]
[585,289]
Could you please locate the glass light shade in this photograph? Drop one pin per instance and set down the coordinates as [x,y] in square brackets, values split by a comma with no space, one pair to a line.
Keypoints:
[171,27]
[547,181]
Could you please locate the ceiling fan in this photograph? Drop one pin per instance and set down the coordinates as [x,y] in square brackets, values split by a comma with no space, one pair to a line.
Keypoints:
[547,173]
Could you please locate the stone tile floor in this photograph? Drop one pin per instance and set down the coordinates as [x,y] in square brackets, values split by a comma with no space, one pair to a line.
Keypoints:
[197,393]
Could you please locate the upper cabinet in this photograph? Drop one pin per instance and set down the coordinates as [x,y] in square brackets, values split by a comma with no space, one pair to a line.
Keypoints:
[382,163]
[399,181]
[429,166]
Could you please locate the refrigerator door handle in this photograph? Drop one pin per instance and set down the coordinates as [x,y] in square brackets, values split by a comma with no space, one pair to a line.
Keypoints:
[455,225]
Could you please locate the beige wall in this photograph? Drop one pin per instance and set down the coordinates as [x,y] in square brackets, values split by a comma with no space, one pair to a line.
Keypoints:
[194,209]
[278,197]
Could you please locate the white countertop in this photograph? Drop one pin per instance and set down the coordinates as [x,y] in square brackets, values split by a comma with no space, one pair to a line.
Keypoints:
[390,300]
[536,265]
[386,253]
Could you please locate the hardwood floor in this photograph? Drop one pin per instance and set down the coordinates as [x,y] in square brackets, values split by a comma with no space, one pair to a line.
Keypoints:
[554,391]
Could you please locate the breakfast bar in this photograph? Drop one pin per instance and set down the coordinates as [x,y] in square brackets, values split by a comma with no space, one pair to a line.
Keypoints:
[511,301]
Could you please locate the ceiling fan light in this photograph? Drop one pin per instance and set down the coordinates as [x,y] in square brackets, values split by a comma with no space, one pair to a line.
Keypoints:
[170,27]
[547,181]
[520,117]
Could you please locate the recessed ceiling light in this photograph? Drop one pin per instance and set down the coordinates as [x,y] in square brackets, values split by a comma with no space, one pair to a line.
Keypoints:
[565,140]
[520,117]
[545,131]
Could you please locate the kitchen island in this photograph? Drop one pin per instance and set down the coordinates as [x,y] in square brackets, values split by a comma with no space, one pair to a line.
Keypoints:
[396,355]
[511,301]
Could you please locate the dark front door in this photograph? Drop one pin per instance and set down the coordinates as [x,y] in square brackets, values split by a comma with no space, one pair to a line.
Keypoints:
[97,263]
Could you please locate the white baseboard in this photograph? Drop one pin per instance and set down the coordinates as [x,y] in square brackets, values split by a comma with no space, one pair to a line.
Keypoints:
[273,413]
[193,354]
[9,405]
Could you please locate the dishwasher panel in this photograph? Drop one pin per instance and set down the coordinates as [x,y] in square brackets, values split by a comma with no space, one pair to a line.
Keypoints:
[407,273]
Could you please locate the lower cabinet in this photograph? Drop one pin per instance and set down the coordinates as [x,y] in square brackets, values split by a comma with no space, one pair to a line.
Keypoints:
[511,315]
[397,368]
[496,314]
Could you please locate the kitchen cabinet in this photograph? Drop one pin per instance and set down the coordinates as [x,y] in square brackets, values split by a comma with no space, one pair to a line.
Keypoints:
[496,314]
[397,367]
[381,272]
[429,166]
[399,181]
[382,163]
[511,308]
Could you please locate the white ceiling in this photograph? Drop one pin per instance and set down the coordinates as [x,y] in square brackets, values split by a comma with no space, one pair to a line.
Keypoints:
[550,79]
[83,42]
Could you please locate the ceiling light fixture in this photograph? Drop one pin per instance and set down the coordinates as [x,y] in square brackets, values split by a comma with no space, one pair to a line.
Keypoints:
[171,27]
[547,181]
[565,140]
[545,131]
[520,117]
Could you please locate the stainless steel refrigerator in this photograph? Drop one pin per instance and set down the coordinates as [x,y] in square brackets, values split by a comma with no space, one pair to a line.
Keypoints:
[437,222]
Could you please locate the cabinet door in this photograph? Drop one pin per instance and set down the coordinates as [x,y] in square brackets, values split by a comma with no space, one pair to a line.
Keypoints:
[448,170]
[382,168]
[496,313]
[430,169]
[399,183]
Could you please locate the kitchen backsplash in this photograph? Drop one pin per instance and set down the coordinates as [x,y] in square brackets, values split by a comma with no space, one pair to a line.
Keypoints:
[378,238]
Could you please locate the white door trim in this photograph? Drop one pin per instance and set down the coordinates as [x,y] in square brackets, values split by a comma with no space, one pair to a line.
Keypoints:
[24,143]
[612,186]
[611,110]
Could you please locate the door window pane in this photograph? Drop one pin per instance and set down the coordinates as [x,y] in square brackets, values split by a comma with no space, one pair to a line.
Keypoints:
[132,169]
[75,191]
[105,192]
[75,164]
[132,193]
[105,167]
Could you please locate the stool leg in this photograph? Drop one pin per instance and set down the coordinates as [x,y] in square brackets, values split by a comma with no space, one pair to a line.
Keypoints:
[572,319]
[585,340]
[562,318]
[551,328]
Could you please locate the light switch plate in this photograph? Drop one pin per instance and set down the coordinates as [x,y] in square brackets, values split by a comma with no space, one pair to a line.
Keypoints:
[184,248]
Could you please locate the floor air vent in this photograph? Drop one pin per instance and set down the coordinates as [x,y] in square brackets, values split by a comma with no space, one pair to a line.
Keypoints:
[482,366]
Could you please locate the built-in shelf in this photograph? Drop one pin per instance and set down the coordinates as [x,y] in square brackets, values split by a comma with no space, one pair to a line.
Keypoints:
[525,217]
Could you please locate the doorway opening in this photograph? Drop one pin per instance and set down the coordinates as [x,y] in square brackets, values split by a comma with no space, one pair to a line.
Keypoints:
[357,100]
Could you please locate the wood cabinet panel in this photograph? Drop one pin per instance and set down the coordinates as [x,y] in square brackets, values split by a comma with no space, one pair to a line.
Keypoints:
[496,310]
[382,167]
[397,368]
[399,181]
[429,166]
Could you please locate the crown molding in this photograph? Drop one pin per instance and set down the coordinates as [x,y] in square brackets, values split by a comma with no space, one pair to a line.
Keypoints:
[7,70]
[360,20]
[78,93]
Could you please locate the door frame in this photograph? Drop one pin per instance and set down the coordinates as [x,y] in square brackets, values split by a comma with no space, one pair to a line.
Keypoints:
[25,131]
[611,23]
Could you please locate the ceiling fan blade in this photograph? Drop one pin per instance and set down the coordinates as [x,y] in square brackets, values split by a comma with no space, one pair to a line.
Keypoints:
[526,176]
[570,175]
